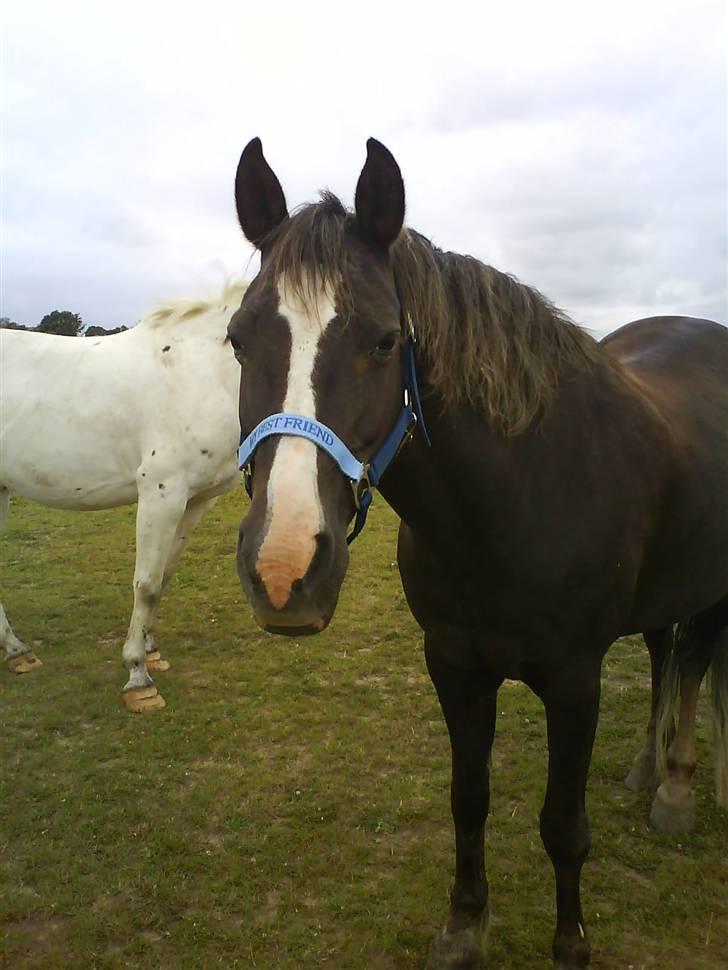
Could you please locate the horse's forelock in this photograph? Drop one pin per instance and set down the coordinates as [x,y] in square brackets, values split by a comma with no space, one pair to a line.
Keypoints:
[308,253]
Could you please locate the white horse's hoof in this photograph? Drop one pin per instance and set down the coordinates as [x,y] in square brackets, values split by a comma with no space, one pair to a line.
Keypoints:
[23,662]
[154,661]
[139,699]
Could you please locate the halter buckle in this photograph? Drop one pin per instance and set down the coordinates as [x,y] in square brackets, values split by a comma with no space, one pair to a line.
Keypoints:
[248,478]
[362,487]
[411,329]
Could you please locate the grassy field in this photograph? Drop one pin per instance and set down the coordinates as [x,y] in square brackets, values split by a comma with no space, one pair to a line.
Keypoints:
[289,808]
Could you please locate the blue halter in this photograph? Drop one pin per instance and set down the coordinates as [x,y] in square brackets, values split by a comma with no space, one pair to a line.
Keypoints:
[364,476]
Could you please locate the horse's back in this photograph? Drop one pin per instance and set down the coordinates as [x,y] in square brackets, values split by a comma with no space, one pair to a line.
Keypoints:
[83,420]
[677,347]
[681,364]
[63,439]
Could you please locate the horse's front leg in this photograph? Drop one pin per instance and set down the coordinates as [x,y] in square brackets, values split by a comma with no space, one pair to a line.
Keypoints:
[159,513]
[572,710]
[467,696]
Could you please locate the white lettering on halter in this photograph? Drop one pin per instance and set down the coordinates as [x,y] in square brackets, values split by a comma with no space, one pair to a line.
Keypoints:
[295,516]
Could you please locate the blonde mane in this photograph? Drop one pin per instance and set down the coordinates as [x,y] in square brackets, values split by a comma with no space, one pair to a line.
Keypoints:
[172,312]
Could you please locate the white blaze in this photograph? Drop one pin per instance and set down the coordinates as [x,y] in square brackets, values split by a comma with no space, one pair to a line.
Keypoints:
[295,516]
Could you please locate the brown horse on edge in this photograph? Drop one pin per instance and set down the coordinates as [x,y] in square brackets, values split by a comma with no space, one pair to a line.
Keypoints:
[570,493]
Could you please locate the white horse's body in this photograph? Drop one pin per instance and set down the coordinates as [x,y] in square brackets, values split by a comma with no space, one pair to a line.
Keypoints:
[147,416]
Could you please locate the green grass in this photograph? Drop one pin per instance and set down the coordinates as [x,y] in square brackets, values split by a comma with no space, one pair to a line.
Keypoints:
[289,808]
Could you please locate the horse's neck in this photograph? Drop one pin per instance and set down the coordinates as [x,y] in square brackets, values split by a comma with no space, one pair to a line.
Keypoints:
[488,476]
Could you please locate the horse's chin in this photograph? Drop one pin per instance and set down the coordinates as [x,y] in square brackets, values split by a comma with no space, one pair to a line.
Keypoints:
[294,630]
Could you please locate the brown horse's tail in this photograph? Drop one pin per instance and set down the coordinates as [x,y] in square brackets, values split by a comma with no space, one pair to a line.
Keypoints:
[668,704]
[719,690]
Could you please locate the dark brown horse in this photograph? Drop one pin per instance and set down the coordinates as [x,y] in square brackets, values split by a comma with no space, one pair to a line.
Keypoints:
[569,493]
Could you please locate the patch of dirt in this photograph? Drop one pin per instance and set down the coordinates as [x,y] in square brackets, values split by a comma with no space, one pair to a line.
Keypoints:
[39,930]
[268,912]
[638,877]
[671,958]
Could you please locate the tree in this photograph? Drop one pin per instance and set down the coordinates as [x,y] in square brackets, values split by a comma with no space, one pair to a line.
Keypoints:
[102,331]
[7,324]
[63,322]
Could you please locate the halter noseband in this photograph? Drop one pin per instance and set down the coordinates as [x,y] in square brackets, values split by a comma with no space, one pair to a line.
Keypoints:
[364,476]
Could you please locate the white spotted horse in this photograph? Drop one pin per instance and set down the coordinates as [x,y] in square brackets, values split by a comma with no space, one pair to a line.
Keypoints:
[148,416]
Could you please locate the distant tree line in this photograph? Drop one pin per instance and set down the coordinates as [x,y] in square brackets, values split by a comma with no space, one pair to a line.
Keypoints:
[102,332]
[61,322]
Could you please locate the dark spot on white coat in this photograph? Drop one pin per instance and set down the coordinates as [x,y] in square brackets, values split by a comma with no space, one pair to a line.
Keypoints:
[165,349]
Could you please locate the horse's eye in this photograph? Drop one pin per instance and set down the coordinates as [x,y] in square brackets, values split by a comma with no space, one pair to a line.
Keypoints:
[386,345]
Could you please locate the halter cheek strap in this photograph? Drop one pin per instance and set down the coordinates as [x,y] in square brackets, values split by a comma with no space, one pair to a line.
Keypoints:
[363,476]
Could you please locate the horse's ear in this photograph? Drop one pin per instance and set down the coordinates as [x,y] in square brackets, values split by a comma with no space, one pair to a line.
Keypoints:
[259,197]
[379,200]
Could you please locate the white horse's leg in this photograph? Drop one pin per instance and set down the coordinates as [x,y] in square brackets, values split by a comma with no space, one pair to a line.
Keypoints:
[159,513]
[18,655]
[196,508]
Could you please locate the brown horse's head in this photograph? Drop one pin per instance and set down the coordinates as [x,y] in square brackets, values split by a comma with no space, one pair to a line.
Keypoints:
[318,335]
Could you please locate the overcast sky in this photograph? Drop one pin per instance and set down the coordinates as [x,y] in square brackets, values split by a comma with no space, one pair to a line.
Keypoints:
[580,146]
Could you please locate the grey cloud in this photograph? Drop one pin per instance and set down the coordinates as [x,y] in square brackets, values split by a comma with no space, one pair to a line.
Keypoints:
[590,161]
[117,229]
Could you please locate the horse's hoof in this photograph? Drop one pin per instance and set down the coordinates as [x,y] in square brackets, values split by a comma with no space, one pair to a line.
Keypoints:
[457,950]
[643,773]
[139,699]
[23,663]
[572,953]
[154,661]
[673,809]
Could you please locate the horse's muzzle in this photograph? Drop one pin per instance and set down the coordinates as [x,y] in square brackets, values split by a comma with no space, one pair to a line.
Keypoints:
[286,597]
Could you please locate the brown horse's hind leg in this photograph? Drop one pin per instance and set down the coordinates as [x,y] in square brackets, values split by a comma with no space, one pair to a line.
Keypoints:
[672,809]
[468,699]
[643,775]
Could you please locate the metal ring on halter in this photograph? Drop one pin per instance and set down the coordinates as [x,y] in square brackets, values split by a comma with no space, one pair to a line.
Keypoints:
[361,487]
[247,471]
